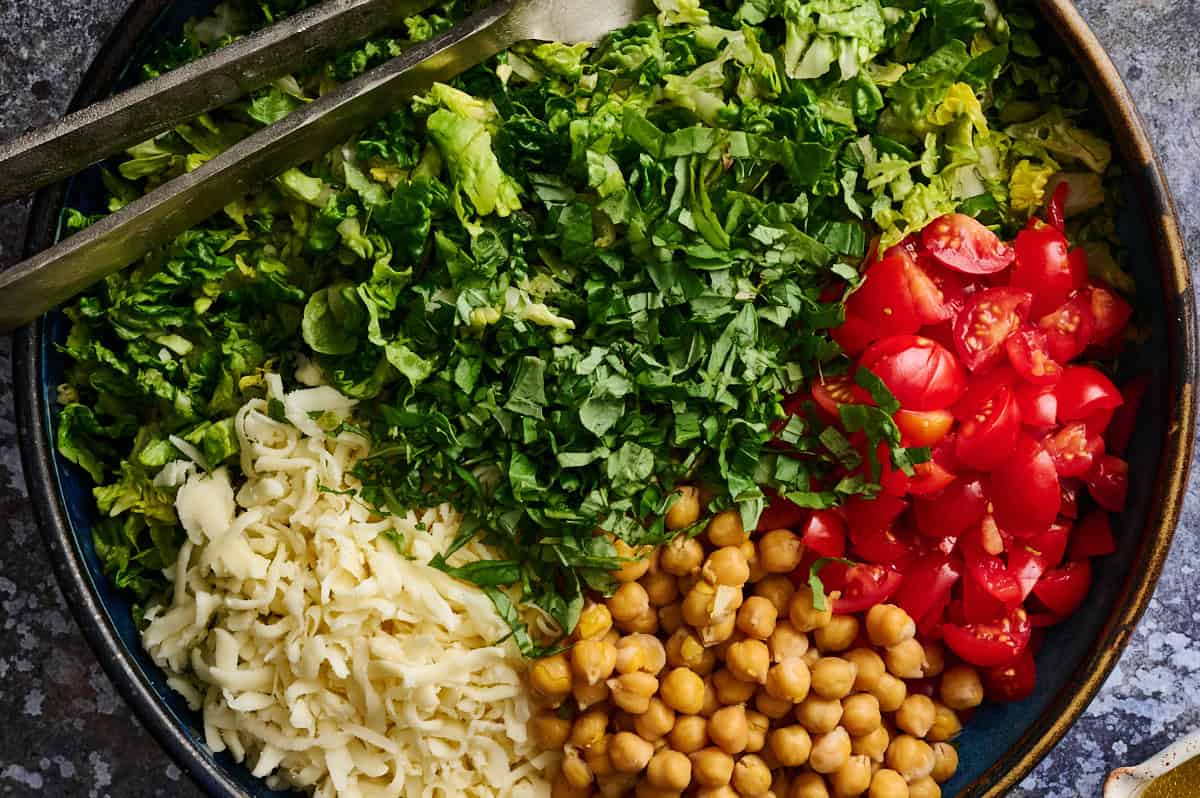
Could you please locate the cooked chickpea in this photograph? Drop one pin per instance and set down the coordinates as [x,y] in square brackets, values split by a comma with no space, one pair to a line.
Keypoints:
[890,692]
[698,604]
[726,566]
[888,625]
[769,705]
[681,557]
[757,618]
[905,659]
[628,602]
[711,767]
[888,784]
[645,789]
[655,722]
[640,652]
[669,770]
[575,770]
[830,751]
[819,715]
[911,758]
[777,589]
[945,762]
[718,632]
[551,676]
[548,730]
[869,667]
[791,745]
[593,661]
[780,551]
[684,650]
[787,642]
[596,755]
[683,691]
[588,695]
[833,677]
[924,788]
[860,714]
[749,660]
[781,782]
[946,724]
[589,727]
[935,659]
[837,635]
[851,779]
[809,785]
[645,622]
[751,776]
[709,705]
[916,715]
[753,562]
[635,564]
[803,615]
[629,753]
[725,529]
[685,510]
[632,691]
[728,729]
[690,733]
[594,622]
[873,744]
[961,688]
[732,690]
[661,588]
[789,680]
[561,788]
[670,618]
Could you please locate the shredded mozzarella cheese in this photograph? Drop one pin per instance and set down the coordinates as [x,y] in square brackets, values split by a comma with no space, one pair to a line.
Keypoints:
[316,649]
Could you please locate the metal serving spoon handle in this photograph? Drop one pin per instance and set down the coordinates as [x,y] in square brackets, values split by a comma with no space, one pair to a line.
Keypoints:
[50,278]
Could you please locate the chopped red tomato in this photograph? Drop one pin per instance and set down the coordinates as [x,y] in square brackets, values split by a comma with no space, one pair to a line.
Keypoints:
[987,436]
[921,374]
[930,477]
[923,427]
[1082,391]
[1028,353]
[781,514]
[1068,329]
[986,322]
[982,547]
[1043,267]
[950,512]
[854,335]
[864,587]
[1012,682]
[1093,536]
[1064,589]
[1108,482]
[832,392]
[990,644]
[883,300]
[1024,488]
[1068,490]
[825,533]
[1110,313]
[959,242]
[1120,428]
[1055,215]
[1038,405]
[927,584]
[1073,448]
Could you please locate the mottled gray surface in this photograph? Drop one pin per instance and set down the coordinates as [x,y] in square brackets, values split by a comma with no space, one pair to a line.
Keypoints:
[65,732]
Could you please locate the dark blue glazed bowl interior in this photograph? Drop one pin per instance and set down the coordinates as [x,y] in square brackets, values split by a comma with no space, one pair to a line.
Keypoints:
[992,730]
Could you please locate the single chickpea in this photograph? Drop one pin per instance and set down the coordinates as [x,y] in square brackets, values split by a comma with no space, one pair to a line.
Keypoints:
[640,652]
[593,661]
[551,676]
[655,722]
[594,622]
[717,632]
[890,692]
[888,784]
[635,562]
[685,510]
[961,688]
[618,785]
[791,745]
[945,762]
[596,755]
[906,659]
[727,728]
[684,650]
[629,753]
[698,604]
[946,724]
[645,622]
[632,691]
[548,730]
[577,772]
[588,695]
[787,642]
[628,602]
[753,562]
[589,727]
[819,715]
[924,788]
[710,704]
[851,779]
[725,529]
[730,689]
[670,618]
[690,733]
[751,776]
[803,615]
[661,588]
[757,726]
[869,667]
[811,656]
[711,767]
[669,770]
[777,589]
[911,758]
[888,625]
[873,744]
[769,705]
[916,715]
[935,659]
[830,751]
[809,785]
[683,691]
[780,551]
[833,677]
[561,788]
[681,557]
[757,618]
[749,660]
[789,680]
[860,714]
[726,566]
[837,635]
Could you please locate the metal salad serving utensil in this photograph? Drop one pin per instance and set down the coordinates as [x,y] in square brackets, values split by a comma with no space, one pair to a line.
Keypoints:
[53,276]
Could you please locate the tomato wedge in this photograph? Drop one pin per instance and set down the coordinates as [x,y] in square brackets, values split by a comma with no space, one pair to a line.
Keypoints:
[1083,391]
[831,393]
[990,644]
[864,587]
[1073,449]
[854,335]
[1024,488]
[1068,329]
[982,327]
[1110,313]
[923,427]
[1038,405]
[1120,427]
[953,510]
[1013,682]
[1108,482]
[1055,214]
[987,569]
[1043,266]
[921,374]
[883,300]
[1064,589]
[986,437]
[938,294]
[927,585]
[959,242]
[825,533]
[1029,355]
[1093,536]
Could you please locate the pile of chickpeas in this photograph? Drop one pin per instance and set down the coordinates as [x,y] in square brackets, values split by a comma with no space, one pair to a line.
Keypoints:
[708,673]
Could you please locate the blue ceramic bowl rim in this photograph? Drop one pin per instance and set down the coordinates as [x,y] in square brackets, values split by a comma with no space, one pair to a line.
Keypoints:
[97,625]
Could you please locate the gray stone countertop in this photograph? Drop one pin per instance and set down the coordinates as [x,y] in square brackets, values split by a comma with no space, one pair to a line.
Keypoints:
[65,732]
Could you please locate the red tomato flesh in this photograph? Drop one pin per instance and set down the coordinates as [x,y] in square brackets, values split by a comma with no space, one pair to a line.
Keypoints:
[982,327]
[990,644]
[921,374]
[959,242]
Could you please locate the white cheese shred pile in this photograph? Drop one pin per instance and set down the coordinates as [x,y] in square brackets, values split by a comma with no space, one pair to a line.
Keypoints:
[319,652]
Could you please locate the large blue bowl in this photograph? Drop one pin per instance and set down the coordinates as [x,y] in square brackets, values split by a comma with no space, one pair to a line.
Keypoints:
[1001,744]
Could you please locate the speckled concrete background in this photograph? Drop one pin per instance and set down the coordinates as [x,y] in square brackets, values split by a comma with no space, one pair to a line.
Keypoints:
[65,732]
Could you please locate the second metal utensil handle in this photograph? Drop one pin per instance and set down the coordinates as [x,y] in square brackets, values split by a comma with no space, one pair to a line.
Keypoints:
[52,277]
